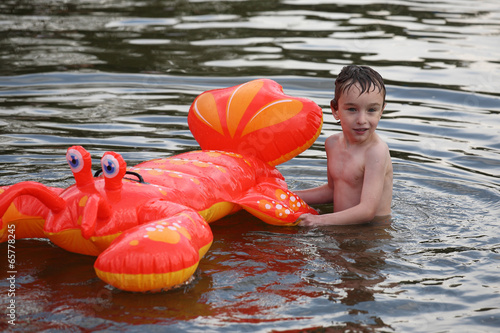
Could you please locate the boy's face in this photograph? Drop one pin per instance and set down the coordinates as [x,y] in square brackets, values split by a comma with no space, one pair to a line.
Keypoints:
[359,114]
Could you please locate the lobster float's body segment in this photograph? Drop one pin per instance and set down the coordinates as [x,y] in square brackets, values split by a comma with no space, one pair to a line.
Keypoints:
[149,224]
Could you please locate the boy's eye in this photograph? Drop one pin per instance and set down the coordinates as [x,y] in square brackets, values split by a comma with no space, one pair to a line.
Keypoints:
[352,109]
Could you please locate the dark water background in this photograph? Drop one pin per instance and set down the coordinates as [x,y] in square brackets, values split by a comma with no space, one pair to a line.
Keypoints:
[120,75]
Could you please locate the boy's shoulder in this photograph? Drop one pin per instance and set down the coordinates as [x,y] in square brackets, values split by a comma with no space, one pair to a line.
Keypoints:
[377,148]
[332,139]
[380,143]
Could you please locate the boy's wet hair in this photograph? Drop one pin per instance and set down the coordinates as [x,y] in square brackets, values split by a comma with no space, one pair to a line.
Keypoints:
[365,76]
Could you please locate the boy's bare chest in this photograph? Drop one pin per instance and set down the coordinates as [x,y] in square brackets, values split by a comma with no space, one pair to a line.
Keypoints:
[346,168]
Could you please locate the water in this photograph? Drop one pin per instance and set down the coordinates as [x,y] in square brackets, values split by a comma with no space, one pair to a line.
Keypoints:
[120,75]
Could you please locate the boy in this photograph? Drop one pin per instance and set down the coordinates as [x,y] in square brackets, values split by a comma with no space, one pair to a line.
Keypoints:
[359,166]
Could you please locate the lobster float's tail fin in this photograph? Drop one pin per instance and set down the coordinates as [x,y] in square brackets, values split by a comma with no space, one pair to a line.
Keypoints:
[255,119]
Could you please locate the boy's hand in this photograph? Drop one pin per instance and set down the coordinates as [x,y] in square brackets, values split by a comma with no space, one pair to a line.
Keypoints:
[306,220]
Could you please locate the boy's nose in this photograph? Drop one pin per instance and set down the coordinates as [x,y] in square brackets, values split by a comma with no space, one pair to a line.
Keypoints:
[361,118]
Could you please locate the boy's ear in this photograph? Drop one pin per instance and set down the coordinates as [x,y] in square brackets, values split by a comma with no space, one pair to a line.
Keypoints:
[335,108]
[334,105]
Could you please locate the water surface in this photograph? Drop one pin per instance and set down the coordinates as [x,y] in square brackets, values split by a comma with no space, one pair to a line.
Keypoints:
[121,75]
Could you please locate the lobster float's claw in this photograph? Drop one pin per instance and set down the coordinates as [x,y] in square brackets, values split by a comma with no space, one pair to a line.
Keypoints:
[26,205]
[157,255]
[39,191]
[95,209]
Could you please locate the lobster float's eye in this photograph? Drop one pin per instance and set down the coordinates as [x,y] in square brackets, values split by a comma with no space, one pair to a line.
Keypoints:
[75,160]
[113,169]
[80,162]
[110,166]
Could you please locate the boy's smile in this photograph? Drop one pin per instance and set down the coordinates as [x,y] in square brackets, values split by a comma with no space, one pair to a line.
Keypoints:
[359,114]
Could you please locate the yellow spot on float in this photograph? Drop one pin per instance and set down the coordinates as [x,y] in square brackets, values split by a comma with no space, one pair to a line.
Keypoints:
[161,234]
[228,153]
[177,161]
[184,232]
[83,201]
[221,169]
[280,194]
[174,175]
[155,172]
[213,153]
[134,242]
[201,164]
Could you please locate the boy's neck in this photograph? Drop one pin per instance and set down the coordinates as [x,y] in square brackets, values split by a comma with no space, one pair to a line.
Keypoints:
[346,143]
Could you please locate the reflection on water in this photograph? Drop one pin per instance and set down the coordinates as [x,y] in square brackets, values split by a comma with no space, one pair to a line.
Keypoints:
[121,75]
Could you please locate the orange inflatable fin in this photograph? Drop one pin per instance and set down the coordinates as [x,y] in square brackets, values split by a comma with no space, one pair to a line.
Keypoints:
[273,203]
[157,255]
[255,119]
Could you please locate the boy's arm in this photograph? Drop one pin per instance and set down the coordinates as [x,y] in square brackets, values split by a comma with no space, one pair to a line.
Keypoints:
[373,186]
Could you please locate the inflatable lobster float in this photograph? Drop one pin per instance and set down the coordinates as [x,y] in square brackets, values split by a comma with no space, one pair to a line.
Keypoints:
[148,224]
